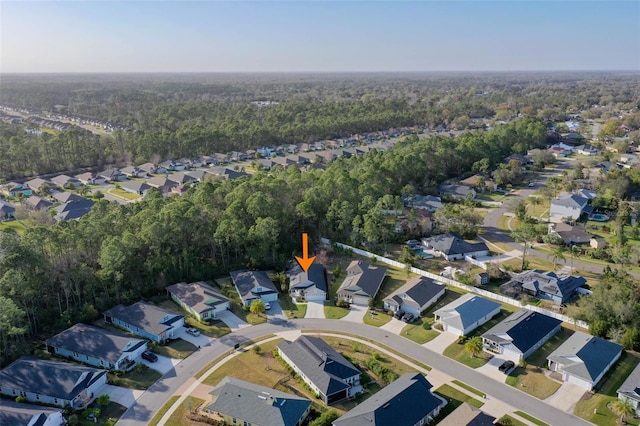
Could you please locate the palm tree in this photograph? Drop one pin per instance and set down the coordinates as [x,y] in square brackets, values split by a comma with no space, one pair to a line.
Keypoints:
[474,346]
[558,254]
[622,408]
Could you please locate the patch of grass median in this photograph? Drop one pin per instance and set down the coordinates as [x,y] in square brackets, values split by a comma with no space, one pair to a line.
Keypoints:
[533,381]
[180,417]
[376,318]
[469,388]
[511,421]
[456,398]
[335,312]
[293,310]
[420,331]
[177,348]
[456,351]
[531,418]
[141,377]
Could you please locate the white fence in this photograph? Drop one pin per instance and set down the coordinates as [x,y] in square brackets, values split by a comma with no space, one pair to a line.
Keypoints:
[473,261]
[454,283]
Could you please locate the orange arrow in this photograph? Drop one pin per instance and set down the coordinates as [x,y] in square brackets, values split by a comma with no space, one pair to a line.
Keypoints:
[305,261]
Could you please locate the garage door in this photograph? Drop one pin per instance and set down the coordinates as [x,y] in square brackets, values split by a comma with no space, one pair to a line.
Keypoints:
[577,381]
[361,301]
[270,297]
[411,309]
[316,297]
[511,355]
[453,330]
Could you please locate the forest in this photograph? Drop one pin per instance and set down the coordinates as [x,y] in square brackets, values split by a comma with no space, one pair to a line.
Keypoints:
[175,116]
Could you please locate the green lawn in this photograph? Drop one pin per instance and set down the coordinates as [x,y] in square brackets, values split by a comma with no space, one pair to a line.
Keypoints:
[531,418]
[108,415]
[417,331]
[469,388]
[291,309]
[335,312]
[376,318]
[179,417]
[13,225]
[121,193]
[511,421]
[156,417]
[539,357]
[533,381]
[456,398]
[490,196]
[141,377]
[178,349]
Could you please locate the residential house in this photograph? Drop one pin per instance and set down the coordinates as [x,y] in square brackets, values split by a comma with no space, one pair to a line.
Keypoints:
[90,179]
[74,207]
[558,152]
[134,172]
[587,150]
[570,234]
[19,414]
[265,163]
[362,283]
[152,169]
[37,203]
[135,187]
[52,382]
[546,285]
[146,320]
[36,184]
[467,415]
[64,181]
[569,205]
[236,402]
[327,373]
[522,159]
[409,400]
[453,247]
[520,334]
[416,295]
[226,173]
[162,184]
[172,166]
[199,299]
[112,175]
[98,347]
[284,161]
[13,189]
[479,183]
[7,210]
[466,313]
[630,389]
[311,285]
[423,202]
[181,178]
[238,156]
[267,151]
[585,193]
[254,285]
[196,175]
[458,192]
[584,359]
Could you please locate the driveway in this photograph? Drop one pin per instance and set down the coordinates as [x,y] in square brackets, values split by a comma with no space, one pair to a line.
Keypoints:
[232,321]
[200,340]
[394,326]
[491,369]
[315,310]
[566,397]
[275,314]
[440,343]
[356,313]
[122,396]
[163,364]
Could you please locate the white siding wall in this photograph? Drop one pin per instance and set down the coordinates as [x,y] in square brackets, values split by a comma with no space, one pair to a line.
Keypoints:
[577,381]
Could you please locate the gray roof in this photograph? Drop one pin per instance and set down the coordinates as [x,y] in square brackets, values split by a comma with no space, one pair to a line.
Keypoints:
[585,356]
[78,204]
[6,207]
[404,402]
[522,329]
[549,282]
[316,276]
[257,404]
[146,316]
[196,174]
[36,202]
[569,233]
[570,200]
[97,342]
[466,310]
[631,386]
[51,378]
[199,296]
[428,202]
[322,364]
[62,180]
[466,415]
[451,244]
[252,284]
[65,197]
[180,177]
[363,279]
[456,190]
[20,414]
[135,185]
[416,292]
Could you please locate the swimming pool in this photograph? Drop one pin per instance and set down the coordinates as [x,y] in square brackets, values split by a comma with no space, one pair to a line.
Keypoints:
[599,217]
[422,254]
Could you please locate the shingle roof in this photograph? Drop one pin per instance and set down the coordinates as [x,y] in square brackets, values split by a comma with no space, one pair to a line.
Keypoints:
[36,202]
[315,276]
[363,279]
[252,284]
[51,378]
[322,364]
[146,316]
[135,185]
[466,415]
[199,296]
[585,356]
[416,292]
[65,197]
[20,414]
[97,342]
[404,402]
[466,310]
[457,190]
[549,282]
[6,207]
[569,233]
[428,202]
[631,386]
[570,200]
[522,329]
[257,404]
[451,244]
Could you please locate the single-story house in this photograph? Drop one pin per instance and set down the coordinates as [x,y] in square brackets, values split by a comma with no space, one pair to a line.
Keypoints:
[226,173]
[467,415]
[63,181]
[584,359]
[20,414]
[36,184]
[134,172]
[546,285]
[458,192]
[630,389]
[480,183]
[453,247]
[570,234]
[112,175]
[98,347]
[135,187]
[416,295]
[7,210]
[423,202]
[162,184]
[181,178]
[327,373]
[13,189]
[89,178]
[52,382]
[253,285]
[173,166]
[466,313]
[520,334]
[409,400]
[146,320]
[151,168]
[74,208]
[37,203]
[568,205]
[197,175]
[311,285]
[199,299]
[363,282]
[587,149]
[243,403]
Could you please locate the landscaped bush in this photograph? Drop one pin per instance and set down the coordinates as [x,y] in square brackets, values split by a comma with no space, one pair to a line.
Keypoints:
[385,374]
[341,303]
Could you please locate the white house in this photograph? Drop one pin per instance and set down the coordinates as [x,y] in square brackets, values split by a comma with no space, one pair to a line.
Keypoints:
[253,285]
[18,414]
[630,389]
[310,285]
[568,205]
[146,320]
[465,314]
[416,295]
[199,299]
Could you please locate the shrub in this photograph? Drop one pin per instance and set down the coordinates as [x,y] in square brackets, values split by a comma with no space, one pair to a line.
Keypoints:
[376,356]
[426,326]
[257,349]
[21,399]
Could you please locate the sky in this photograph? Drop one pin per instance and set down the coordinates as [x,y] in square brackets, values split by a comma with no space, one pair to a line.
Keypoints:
[323,36]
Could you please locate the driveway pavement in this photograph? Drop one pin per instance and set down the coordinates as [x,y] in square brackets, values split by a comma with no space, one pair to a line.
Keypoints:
[566,397]
[394,326]
[163,364]
[315,310]
[275,314]
[232,321]
[440,343]
[491,369]
[200,340]
[356,313]
[122,396]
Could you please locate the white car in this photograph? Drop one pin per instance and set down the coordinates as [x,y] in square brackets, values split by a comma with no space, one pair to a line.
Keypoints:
[193,331]
[267,306]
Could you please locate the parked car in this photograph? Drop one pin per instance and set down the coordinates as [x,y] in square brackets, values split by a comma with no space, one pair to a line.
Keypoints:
[399,314]
[193,331]
[408,317]
[149,356]
[531,184]
[267,305]
[507,366]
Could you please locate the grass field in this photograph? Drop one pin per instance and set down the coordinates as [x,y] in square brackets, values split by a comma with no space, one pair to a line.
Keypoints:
[141,377]
[376,319]
[178,349]
[13,225]
[180,418]
[335,312]
[292,310]
[469,388]
[121,193]
[417,331]
[531,418]
[456,398]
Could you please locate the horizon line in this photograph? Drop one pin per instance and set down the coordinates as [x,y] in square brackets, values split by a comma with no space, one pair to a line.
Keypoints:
[328,72]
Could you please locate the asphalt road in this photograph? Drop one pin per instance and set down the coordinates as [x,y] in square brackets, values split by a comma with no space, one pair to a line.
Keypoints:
[154,398]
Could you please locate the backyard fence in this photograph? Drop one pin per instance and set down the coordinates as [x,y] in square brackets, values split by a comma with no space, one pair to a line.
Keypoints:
[454,283]
[476,262]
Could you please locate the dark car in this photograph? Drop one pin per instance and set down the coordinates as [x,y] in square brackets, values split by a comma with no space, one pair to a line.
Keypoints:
[399,314]
[149,356]
[507,366]
[408,317]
